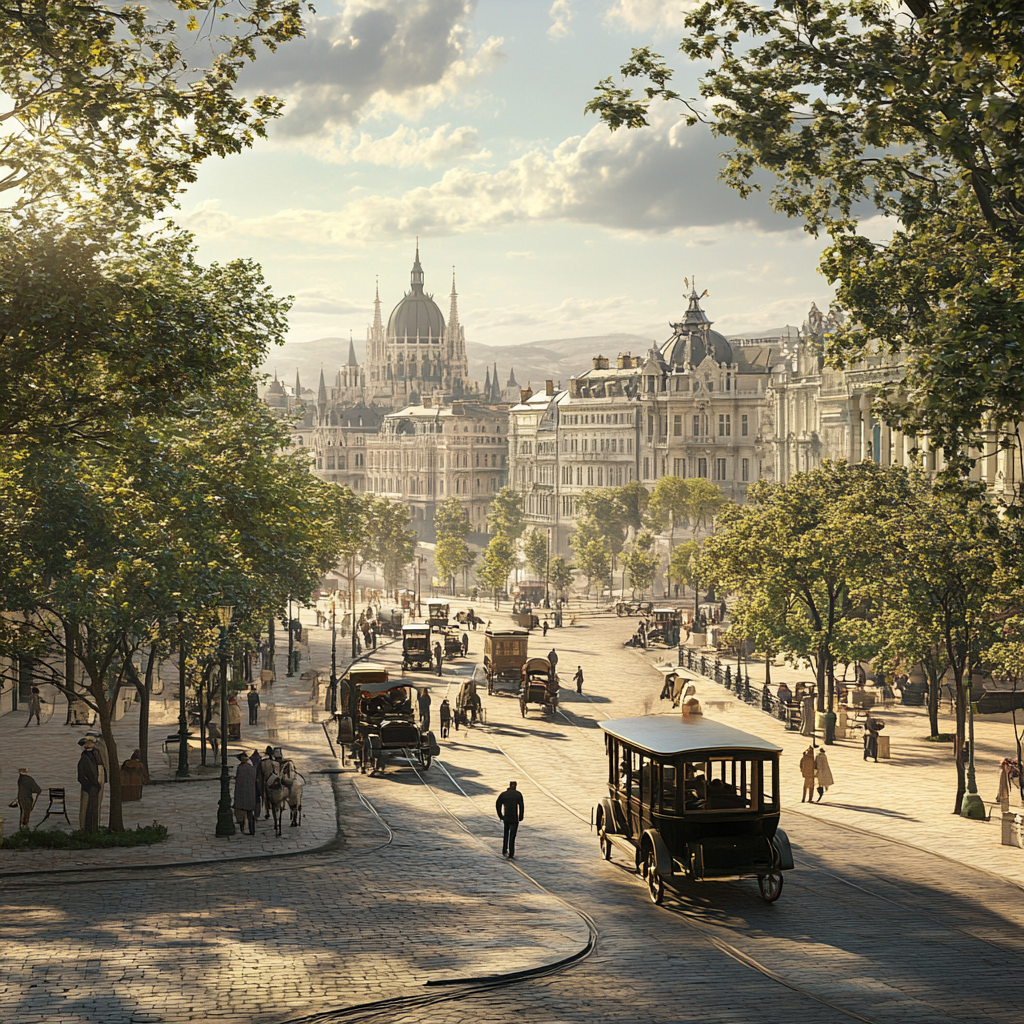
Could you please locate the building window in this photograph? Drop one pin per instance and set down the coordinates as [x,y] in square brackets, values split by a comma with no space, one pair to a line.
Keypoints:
[702,468]
[629,445]
[330,461]
[728,382]
[696,426]
[743,425]
[719,469]
[663,424]
[677,425]
[360,459]
[724,425]
[647,468]
[600,476]
[579,476]
[745,470]
[590,476]
[650,423]
[679,467]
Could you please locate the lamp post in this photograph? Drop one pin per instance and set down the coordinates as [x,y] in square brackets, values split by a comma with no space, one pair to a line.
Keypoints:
[352,600]
[291,639]
[182,772]
[225,821]
[972,806]
[547,569]
[334,652]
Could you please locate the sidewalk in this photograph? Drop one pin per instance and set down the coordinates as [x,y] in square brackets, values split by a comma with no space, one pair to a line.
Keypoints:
[287,719]
[908,798]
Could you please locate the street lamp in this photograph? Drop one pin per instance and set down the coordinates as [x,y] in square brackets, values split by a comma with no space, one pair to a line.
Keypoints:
[334,652]
[291,639]
[225,821]
[972,806]
[182,772]
[352,600]
[547,569]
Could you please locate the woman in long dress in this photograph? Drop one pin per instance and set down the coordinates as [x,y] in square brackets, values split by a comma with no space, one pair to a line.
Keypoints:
[822,772]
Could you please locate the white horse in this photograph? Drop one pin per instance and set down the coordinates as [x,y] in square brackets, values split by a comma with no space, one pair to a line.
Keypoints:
[292,780]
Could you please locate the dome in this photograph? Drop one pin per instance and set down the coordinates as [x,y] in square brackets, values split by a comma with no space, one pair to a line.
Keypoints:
[417,313]
[693,340]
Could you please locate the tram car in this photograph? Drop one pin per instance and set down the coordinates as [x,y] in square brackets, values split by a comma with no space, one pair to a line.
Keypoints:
[540,686]
[416,650]
[385,723]
[452,644]
[691,798]
[665,626]
[504,658]
[437,615]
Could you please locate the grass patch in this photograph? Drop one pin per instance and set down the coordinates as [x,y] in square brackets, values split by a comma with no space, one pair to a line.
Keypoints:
[942,737]
[54,839]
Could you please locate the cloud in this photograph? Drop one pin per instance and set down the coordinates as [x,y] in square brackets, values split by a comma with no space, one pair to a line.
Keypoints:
[651,181]
[561,14]
[648,15]
[376,55]
[310,300]
[521,255]
[405,147]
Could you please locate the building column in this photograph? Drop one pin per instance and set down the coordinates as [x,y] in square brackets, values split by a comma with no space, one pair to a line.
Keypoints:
[864,405]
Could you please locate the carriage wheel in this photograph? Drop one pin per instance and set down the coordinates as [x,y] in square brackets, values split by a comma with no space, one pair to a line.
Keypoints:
[606,845]
[770,886]
[425,759]
[655,885]
[522,710]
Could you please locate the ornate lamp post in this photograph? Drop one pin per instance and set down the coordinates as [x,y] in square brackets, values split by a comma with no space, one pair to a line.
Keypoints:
[182,772]
[291,639]
[972,806]
[225,820]
[334,652]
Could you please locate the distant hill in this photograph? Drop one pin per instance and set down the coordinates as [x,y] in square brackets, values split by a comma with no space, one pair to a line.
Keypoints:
[536,361]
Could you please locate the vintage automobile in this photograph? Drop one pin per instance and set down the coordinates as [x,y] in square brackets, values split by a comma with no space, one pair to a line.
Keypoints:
[665,626]
[540,686]
[633,608]
[390,621]
[437,614]
[416,646]
[504,658]
[529,593]
[384,721]
[526,618]
[690,798]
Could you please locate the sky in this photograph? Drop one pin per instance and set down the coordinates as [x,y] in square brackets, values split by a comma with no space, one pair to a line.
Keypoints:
[462,122]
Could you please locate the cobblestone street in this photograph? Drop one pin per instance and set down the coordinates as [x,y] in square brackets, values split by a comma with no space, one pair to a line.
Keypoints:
[879,922]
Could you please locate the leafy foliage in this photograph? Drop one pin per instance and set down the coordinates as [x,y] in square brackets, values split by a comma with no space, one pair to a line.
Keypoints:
[535,550]
[505,515]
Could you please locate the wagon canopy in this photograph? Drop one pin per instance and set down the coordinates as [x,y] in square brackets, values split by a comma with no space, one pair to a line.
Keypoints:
[667,735]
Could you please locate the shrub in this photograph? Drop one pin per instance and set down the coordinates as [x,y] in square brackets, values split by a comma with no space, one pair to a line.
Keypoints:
[54,839]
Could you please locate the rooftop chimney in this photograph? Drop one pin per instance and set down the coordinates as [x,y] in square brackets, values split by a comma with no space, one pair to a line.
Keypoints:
[600,362]
[549,387]
[428,403]
[525,394]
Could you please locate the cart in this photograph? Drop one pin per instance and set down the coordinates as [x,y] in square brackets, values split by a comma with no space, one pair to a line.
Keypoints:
[416,650]
[540,686]
[504,658]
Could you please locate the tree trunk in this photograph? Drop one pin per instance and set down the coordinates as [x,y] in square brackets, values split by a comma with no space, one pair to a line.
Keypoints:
[146,698]
[104,711]
[934,692]
[819,675]
[958,747]
[831,675]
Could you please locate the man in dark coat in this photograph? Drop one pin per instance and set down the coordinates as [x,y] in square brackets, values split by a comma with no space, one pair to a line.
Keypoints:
[578,679]
[553,658]
[28,790]
[445,715]
[509,808]
[245,794]
[90,778]
[424,705]
[35,705]
[253,699]
[465,645]
[254,760]
[438,657]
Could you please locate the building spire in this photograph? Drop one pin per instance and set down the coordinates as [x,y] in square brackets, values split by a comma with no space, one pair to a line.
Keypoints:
[487,384]
[321,394]
[298,386]
[376,306]
[453,309]
[495,387]
[352,361]
[416,277]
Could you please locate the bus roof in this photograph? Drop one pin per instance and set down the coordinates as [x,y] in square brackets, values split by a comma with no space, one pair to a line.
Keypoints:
[674,734]
[416,627]
[507,632]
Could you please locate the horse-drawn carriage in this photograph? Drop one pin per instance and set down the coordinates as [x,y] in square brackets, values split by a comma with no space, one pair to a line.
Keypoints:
[416,650]
[504,658]
[452,644]
[468,704]
[540,686]
[525,617]
[385,724]
[437,615]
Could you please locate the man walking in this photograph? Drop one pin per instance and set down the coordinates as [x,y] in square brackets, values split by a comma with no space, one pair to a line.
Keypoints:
[35,704]
[424,706]
[438,656]
[245,794]
[91,778]
[509,807]
[28,790]
[253,699]
[578,679]
[465,645]
[553,658]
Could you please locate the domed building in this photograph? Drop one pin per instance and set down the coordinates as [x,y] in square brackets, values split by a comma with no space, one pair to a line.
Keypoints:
[417,353]
[693,340]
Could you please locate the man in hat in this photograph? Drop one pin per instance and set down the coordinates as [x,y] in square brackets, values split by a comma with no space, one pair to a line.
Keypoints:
[91,777]
[28,790]
[253,700]
[245,794]
[509,807]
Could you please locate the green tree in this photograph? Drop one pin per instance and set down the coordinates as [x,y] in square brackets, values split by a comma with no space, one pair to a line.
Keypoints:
[682,566]
[450,519]
[592,552]
[641,563]
[633,499]
[499,558]
[601,515]
[101,102]
[389,541]
[704,502]
[452,556]
[505,515]
[535,551]
[561,574]
[857,110]
[669,506]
